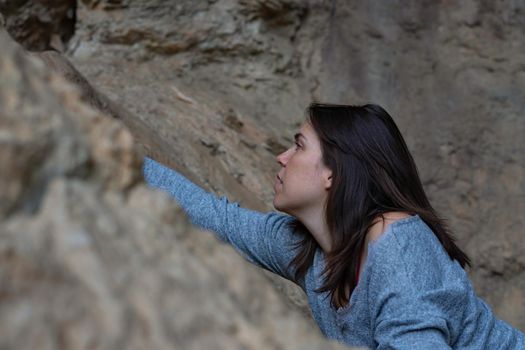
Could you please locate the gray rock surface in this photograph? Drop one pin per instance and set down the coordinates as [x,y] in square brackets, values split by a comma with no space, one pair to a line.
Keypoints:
[90,258]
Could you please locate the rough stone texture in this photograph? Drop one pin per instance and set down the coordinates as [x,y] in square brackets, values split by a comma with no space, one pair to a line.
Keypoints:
[224,50]
[210,156]
[451,74]
[90,258]
[226,150]
[39,25]
[31,148]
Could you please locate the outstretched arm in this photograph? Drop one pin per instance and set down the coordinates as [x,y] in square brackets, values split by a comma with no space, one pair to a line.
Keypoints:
[264,239]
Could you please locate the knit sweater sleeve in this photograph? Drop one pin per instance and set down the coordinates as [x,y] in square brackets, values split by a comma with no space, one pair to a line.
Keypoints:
[410,301]
[264,239]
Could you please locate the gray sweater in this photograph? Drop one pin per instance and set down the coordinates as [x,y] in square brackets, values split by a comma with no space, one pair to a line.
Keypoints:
[410,294]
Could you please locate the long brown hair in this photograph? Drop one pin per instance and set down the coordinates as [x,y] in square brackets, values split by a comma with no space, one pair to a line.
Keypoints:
[372,173]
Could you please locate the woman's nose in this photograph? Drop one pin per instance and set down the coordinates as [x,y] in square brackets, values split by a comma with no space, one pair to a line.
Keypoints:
[281,159]
[284,157]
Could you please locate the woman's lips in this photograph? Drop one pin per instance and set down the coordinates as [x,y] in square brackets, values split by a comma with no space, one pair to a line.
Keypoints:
[278,182]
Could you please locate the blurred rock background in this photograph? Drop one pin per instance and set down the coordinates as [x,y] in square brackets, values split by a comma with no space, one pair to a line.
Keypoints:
[215,89]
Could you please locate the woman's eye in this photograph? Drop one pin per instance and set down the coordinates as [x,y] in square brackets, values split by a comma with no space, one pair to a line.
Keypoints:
[297,145]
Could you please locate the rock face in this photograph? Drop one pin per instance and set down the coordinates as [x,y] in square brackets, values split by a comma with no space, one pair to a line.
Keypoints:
[92,258]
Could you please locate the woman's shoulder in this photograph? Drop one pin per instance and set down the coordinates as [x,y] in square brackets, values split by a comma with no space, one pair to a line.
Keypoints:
[410,252]
[410,236]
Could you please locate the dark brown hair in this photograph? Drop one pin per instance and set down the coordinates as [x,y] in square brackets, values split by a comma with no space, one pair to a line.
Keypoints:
[372,173]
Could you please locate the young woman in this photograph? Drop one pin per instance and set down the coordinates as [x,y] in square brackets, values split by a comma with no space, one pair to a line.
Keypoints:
[356,231]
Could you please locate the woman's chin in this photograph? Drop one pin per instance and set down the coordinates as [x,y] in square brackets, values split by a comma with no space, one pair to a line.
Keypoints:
[277,205]
[280,207]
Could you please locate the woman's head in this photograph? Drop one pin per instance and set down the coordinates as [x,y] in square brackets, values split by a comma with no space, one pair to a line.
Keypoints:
[372,169]
[303,183]
[370,172]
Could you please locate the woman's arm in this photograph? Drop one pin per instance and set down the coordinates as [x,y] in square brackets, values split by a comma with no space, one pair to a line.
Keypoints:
[261,238]
[403,323]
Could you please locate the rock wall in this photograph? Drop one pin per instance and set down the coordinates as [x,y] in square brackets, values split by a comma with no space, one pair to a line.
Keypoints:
[91,258]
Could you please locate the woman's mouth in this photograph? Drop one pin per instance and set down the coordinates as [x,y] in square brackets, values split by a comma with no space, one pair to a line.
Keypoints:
[278,183]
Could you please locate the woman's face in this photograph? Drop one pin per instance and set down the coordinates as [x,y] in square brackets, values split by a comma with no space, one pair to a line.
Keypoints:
[302,185]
